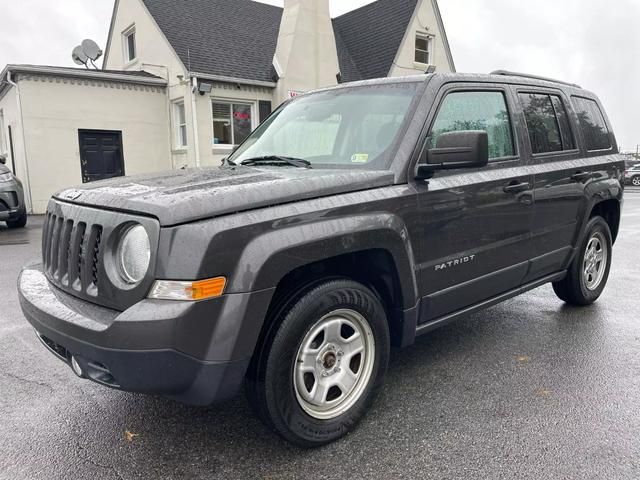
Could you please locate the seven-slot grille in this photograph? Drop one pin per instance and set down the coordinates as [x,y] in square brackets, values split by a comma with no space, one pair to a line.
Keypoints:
[71,253]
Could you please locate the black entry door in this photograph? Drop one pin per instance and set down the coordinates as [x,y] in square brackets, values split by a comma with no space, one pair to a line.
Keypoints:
[101,154]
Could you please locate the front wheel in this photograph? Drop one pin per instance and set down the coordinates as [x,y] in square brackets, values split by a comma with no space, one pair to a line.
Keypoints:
[589,271]
[318,371]
[635,181]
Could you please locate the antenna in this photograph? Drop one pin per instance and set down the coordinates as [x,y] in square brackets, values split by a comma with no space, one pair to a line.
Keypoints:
[87,52]
[79,57]
[91,49]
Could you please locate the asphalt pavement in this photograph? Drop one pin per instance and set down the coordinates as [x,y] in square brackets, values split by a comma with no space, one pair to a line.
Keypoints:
[529,389]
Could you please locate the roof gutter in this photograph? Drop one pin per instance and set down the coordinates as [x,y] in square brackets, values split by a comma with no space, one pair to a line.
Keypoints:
[86,74]
[3,82]
[241,81]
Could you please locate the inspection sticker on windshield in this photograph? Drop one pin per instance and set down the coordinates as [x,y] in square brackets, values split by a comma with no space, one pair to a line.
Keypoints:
[360,158]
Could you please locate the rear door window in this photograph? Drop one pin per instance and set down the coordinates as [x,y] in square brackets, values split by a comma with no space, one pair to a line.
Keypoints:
[547,123]
[476,110]
[594,128]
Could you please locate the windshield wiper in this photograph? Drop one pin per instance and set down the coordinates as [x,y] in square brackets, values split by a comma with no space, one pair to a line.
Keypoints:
[296,162]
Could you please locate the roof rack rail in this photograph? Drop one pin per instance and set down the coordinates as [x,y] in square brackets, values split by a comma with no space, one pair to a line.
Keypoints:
[535,77]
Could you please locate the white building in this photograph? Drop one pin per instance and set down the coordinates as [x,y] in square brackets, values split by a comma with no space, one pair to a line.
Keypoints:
[183,82]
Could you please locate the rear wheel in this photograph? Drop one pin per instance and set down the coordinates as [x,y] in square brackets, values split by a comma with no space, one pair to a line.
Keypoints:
[19,222]
[319,369]
[589,271]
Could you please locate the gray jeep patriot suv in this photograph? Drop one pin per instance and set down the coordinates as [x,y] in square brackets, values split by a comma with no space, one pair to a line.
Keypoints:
[353,219]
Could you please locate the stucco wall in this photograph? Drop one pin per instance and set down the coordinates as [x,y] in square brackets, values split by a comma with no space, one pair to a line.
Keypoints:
[151,46]
[154,55]
[424,21]
[9,107]
[54,109]
[9,110]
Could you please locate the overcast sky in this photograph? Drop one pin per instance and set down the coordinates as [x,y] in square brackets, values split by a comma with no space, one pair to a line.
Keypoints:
[591,42]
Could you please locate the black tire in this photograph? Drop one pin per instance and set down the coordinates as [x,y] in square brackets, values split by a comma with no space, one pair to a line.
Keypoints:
[270,381]
[19,222]
[573,288]
[635,181]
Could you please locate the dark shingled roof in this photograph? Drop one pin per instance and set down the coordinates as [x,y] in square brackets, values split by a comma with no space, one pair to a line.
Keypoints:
[237,38]
[231,38]
[368,38]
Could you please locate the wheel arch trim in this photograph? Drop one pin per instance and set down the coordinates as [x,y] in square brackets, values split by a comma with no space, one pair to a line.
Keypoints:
[271,256]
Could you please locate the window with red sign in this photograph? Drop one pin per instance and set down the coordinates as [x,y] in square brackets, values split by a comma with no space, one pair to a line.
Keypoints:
[232,122]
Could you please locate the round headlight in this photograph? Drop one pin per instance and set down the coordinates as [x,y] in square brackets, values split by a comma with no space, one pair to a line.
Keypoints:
[134,254]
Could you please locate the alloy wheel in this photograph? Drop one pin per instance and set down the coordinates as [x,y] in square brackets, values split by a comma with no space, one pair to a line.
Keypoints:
[594,264]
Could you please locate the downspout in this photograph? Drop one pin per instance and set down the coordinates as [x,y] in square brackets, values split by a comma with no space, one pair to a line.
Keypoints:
[194,120]
[24,140]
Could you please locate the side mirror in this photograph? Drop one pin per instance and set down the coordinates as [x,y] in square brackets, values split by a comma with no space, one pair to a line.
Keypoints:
[3,159]
[463,149]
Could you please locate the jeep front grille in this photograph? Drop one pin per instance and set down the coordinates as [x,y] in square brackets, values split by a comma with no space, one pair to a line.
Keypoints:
[77,253]
[71,253]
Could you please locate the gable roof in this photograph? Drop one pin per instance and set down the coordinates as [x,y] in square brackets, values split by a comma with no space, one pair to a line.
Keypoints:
[227,38]
[368,38]
[236,40]
[443,32]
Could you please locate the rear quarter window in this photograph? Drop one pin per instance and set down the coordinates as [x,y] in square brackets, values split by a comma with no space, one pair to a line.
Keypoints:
[592,123]
[547,123]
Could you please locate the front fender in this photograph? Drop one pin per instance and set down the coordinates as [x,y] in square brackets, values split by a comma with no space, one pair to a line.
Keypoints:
[272,255]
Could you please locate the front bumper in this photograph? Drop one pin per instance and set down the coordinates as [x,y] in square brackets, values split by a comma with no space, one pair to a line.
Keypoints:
[11,201]
[194,352]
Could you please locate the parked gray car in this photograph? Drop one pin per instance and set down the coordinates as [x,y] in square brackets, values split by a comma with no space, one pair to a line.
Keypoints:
[12,206]
[632,175]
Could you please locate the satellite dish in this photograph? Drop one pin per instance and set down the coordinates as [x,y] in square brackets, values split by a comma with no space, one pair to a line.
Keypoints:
[91,49]
[78,56]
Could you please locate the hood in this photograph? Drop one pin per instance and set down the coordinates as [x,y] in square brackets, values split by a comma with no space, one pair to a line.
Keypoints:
[181,196]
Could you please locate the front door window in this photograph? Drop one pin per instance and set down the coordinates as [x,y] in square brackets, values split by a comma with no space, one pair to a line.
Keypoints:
[475,110]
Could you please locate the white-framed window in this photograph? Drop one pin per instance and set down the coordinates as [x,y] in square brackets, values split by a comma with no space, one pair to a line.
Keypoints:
[180,124]
[3,145]
[233,121]
[129,44]
[423,48]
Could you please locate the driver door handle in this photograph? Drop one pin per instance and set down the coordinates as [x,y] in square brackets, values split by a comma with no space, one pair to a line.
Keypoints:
[515,187]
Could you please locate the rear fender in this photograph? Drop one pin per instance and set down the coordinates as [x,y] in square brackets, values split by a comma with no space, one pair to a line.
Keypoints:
[597,192]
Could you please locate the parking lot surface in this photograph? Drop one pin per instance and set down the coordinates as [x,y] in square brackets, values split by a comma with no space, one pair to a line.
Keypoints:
[527,389]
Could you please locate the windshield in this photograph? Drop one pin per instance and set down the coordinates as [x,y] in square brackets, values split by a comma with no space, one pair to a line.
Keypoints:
[350,127]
